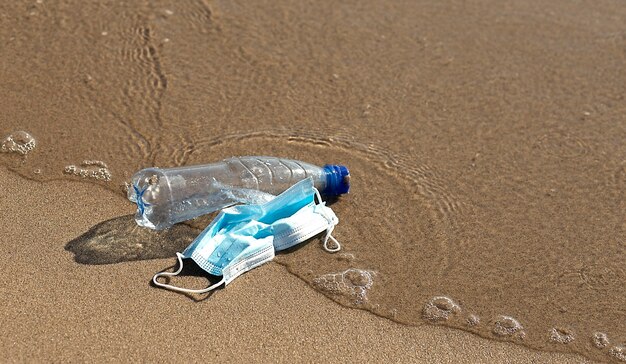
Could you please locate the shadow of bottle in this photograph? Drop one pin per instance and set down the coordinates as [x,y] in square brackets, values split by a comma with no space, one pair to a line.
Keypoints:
[121,240]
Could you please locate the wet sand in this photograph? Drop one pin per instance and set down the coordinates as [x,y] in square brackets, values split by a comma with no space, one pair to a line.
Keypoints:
[485,142]
[57,309]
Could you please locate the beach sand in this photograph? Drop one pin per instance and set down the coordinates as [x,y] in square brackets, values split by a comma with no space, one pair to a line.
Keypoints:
[55,309]
[485,140]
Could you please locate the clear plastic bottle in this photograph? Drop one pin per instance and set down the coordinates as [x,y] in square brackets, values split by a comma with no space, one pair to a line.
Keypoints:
[167,196]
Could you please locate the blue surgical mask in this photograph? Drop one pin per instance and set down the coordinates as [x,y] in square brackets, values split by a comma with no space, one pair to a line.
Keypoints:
[246,236]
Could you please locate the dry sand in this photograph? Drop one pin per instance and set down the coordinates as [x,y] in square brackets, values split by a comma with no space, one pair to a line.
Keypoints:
[55,309]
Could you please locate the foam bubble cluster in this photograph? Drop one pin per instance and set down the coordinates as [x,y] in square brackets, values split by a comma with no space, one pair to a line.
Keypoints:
[561,335]
[19,142]
[440,308]
[473,320]
[353,284]
[618,352]
[508,326]
[97,170]
[600,340]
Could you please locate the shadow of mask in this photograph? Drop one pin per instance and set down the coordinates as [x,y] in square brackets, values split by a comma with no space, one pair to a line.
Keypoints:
[121,240]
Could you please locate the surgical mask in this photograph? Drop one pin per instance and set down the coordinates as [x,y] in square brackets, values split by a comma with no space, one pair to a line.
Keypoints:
[246,236]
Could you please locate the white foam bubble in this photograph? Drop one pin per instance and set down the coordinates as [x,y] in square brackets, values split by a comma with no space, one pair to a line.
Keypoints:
[561,335]
[473,320]
[600,340]
[353,284]
[19,142]
[96,163]
[508,326]
[94,169]
[440,308]
[618,352]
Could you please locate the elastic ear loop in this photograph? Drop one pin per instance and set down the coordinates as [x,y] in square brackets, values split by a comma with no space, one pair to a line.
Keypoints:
[180,289]
[329,236]
[330,229]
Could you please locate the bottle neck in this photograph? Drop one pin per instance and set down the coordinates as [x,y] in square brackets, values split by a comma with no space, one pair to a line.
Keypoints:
[337,180]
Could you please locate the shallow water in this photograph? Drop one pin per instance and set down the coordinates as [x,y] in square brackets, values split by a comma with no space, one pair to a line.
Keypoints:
[485,142]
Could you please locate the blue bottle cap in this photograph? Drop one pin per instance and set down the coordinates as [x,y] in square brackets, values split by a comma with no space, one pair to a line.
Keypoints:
[337,180]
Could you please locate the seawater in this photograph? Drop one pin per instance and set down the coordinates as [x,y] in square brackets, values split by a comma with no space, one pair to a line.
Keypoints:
[416,253]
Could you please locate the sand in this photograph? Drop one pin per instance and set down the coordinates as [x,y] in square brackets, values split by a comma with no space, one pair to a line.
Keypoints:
[485,142]
[55,309]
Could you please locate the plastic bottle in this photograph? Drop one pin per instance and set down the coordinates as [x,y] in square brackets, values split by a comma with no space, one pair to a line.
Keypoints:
[165,197]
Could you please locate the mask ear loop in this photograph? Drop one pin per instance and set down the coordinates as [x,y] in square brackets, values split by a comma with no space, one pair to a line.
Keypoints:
[330,229]
[330,237]
[180,289]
